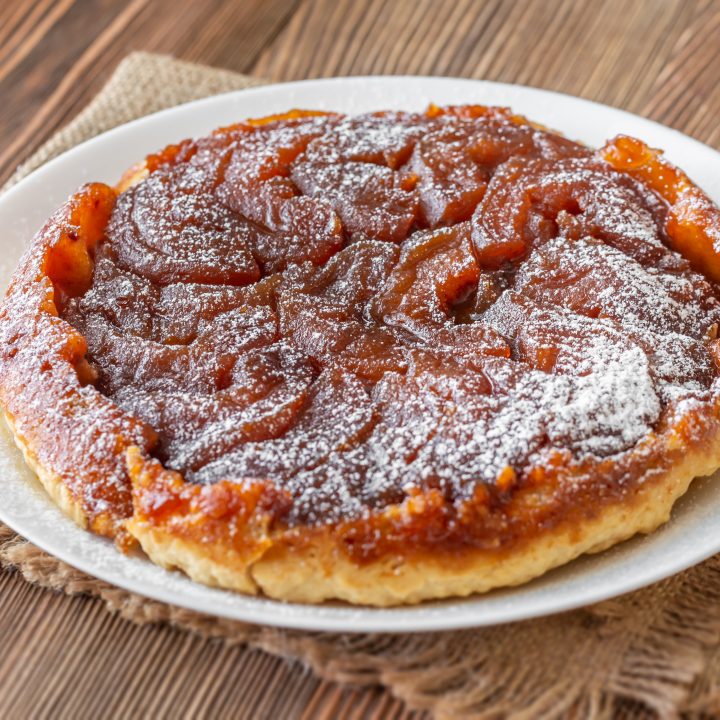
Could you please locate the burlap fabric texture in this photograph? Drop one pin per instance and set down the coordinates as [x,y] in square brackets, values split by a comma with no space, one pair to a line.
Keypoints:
[653,653]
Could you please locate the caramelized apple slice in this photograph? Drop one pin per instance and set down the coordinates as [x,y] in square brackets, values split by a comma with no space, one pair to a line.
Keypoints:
[693,221]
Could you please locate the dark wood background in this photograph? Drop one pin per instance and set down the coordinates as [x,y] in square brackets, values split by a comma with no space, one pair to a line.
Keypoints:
[67,657]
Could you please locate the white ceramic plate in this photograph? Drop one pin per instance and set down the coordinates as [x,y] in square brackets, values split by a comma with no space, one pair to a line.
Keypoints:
[691,536]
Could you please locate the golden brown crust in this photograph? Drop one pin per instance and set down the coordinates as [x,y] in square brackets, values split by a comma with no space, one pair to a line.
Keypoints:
[320,570]
[315,568]
[53,484]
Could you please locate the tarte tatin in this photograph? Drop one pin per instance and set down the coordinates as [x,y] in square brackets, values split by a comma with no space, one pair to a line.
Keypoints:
[382,358]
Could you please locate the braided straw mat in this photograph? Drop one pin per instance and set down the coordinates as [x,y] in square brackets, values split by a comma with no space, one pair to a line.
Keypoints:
[654,653]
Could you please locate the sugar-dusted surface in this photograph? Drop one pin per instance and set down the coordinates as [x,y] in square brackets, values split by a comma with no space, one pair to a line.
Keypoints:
[407,336]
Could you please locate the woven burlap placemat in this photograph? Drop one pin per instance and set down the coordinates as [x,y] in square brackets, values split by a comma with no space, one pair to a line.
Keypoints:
[652,653]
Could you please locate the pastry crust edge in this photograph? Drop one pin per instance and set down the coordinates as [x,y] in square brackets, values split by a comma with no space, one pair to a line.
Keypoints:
[317,569]
[54,485]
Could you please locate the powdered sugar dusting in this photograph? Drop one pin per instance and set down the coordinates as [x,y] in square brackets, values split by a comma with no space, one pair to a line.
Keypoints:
[253,307]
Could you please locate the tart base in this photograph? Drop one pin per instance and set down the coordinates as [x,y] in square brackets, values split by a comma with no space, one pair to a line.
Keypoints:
[53,483]
[318,570]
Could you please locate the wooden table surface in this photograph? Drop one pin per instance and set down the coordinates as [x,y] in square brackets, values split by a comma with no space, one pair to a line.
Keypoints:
[68,657]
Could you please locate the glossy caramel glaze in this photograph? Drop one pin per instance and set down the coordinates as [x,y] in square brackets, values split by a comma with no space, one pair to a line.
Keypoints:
[426,330]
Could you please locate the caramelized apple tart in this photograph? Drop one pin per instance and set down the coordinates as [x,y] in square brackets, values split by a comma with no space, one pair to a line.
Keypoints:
[382,358]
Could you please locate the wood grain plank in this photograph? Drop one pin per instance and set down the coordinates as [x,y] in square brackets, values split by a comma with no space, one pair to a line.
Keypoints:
[35,26]
[65,94]
[67,657]
[686,92]
[13,16]
[55,79]
[612,52]
[70,658]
